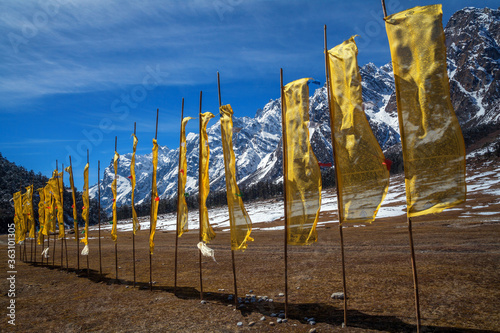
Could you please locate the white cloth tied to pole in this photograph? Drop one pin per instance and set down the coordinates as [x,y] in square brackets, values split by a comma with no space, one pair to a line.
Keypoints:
[85,251]
[45,253]
[206,251]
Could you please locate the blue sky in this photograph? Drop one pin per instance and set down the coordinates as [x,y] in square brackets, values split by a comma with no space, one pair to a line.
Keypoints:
[75,74]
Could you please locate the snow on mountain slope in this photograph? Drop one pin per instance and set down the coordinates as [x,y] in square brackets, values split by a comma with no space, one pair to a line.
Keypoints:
[472,37]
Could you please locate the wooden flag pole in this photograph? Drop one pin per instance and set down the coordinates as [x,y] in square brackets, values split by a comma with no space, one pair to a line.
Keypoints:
[77,235]
[33,217]
[88,254]
[339,204]
[199,204]
[54,251]
[65,241]
[414,270]
[34,222]
[62,207]
[116,242]
[232,251]
[133,228]
[383,7]
[285,177]
[151,215]
[99,213]
[412,249]
[178,202]
[21,254]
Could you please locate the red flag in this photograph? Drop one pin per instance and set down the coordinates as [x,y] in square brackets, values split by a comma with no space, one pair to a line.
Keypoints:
[387,164]
[325,164]
[129,177]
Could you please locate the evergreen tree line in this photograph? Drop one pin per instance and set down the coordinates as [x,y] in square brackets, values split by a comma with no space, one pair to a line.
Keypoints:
[14,177]
[256,192]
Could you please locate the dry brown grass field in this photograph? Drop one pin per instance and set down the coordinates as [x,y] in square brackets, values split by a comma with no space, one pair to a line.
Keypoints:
[458,261]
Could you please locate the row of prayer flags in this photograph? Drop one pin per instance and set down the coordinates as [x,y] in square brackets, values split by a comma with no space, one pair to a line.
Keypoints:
[433,147]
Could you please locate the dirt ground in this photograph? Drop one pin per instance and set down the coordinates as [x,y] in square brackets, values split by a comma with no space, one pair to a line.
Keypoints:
[458,262]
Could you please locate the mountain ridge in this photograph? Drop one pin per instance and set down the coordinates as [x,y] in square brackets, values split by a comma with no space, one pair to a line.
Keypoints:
[473,69]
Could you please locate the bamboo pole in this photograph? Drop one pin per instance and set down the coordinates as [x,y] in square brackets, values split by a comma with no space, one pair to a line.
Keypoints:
[33,217]
[151,215]
[88,254]
[339,198]
[285,177]
[35,238]
[232,251]
[116,241]
[62,207]
[410,236]
[414,271]
[65,241]
[21,252]
[43,243]
[178,202]
[61,222]
[199,205]
[99,213]
[54,252]
[383,7]
[133,229]
[77,235]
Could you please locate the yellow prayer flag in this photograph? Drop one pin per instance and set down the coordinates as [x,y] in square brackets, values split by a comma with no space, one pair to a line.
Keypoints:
[86,204]
[182,209]
[433,145]
[113,189]
[240,223]
[28,210]
[24,220]
[61,198]
[50,225]
[155,200]
[362,175]
[41,214]
[303,176]
[135,221]
[69,170]
[206,230]
[56,194]
[18,216]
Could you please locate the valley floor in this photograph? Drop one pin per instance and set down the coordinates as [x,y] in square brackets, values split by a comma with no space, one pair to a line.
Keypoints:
[457,255]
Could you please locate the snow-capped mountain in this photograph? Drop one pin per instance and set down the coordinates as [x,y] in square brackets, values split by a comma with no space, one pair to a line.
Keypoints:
[472,37]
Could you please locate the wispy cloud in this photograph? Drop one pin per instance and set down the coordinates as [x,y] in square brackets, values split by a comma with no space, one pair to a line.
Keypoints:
[28,143]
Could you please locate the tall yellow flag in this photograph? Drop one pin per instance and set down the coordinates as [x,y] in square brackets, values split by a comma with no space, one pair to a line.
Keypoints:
[303,179]
[362,175]
[433,146]
[24,220]
[182,209]
[155,200]
[135,221]
[28,209]
[86,204]
[69,170]
[56,194]
[207,232]
[18,216]
[113,189]
[241,225]
[41,214]
[50,225]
